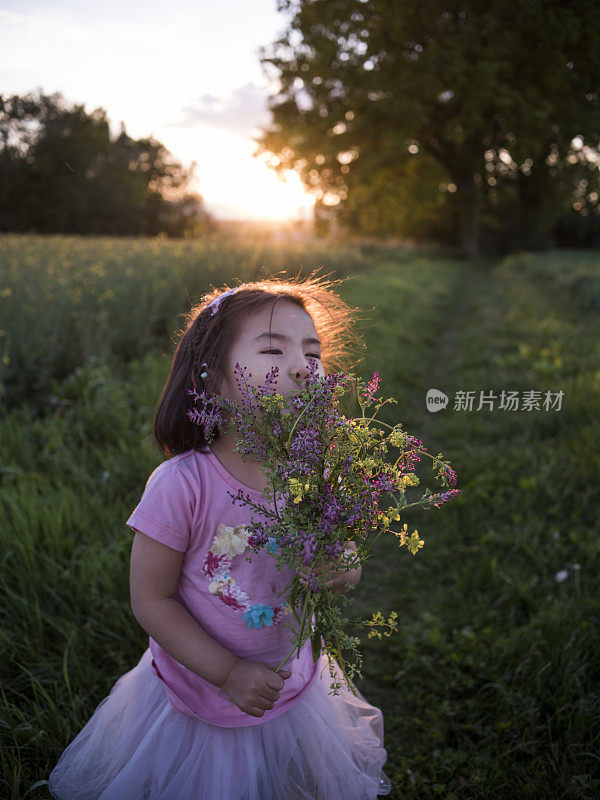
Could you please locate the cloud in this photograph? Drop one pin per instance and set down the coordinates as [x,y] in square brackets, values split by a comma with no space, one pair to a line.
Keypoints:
[244,110]
[209,99]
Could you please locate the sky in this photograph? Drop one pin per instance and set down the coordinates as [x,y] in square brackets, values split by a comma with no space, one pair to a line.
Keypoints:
[186,72]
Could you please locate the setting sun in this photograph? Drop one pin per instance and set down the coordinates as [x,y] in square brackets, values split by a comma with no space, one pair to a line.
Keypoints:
[236,185]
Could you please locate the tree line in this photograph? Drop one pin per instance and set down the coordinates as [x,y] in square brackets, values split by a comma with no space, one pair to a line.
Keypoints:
[61,171]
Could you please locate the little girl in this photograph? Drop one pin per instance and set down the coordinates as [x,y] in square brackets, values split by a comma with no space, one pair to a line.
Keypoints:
[204,715]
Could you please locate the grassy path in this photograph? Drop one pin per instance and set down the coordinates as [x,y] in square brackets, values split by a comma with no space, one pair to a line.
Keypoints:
[489,689]
[410,358]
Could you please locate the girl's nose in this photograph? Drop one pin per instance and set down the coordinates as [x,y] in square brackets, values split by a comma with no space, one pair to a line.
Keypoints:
[299,371]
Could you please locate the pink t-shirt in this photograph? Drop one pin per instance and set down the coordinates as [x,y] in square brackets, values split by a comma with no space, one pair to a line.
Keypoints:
[186,506]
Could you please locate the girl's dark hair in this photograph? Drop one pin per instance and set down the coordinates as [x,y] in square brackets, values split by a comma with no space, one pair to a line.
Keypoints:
[208,339]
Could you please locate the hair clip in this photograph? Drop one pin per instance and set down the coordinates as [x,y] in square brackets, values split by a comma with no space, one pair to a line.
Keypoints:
[204,367]
[214,304]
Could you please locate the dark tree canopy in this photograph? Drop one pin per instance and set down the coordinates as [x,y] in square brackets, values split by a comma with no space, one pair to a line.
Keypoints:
[61,172]
[470,107]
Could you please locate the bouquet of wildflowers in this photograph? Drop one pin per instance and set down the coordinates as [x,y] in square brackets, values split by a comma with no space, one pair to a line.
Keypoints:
[331,472]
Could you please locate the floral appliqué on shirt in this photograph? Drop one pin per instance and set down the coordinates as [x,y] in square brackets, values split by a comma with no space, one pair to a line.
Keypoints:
[228,543]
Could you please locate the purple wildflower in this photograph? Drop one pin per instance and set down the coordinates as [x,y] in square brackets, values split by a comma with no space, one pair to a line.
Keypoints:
[308,548]
[443,497]
[370,389]
[207,412]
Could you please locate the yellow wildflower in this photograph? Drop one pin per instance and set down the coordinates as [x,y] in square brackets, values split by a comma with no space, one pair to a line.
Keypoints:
[415,543]
[298,489]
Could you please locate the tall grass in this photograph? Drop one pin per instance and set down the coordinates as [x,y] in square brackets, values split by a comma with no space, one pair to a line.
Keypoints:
[490,688]
[64,299]
[575,273]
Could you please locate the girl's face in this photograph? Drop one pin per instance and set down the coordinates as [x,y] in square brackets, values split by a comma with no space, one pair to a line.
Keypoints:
[293,342]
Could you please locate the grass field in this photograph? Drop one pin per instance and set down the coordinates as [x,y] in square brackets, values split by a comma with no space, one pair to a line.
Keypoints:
[490,689]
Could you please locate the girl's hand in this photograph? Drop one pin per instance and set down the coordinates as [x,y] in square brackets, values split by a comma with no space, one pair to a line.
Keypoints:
[322,577]
[253,686]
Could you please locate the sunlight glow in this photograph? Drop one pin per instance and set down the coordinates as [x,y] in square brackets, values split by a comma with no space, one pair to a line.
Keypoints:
[229,177]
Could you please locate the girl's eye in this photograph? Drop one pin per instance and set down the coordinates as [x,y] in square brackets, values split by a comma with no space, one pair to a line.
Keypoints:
[313,355]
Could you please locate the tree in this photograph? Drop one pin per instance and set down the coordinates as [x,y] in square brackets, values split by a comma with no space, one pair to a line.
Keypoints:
[62,172]
[363,81]
[406,197]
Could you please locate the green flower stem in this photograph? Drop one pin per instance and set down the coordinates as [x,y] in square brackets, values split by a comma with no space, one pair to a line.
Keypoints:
[364,555]
[286,587]
[342,666]
[299,638]
[391,427]
[297,420]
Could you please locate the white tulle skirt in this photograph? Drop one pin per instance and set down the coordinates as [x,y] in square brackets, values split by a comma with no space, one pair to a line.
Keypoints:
[136,746]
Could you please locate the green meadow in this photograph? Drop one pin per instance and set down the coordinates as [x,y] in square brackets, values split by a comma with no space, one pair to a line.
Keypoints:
[490,688]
